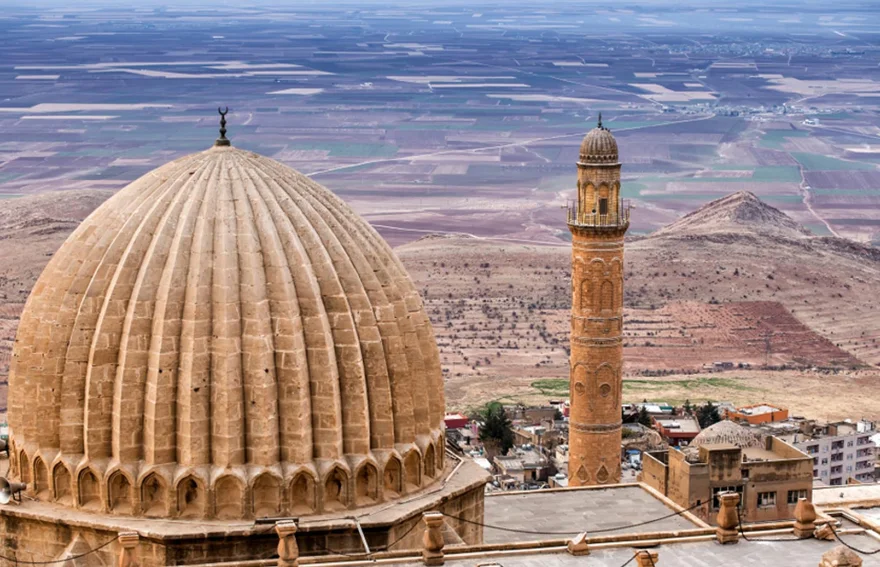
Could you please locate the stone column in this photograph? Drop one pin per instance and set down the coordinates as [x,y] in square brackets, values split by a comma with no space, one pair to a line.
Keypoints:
[128,541]
[647,558]
[840,557]
[288,552]
[578,545]
[432,554]
[728,519]
[804,519]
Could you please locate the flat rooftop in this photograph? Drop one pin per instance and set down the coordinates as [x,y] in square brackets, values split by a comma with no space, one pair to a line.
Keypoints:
[682,424]
[575,510]
[801,553]
[758,410]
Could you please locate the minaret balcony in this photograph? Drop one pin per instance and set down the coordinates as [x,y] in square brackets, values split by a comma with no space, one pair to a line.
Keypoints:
[588,219]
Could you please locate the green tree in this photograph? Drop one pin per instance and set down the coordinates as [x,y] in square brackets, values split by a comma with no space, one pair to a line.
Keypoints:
[708,415]
[497,431]
[688,408]
[644,418]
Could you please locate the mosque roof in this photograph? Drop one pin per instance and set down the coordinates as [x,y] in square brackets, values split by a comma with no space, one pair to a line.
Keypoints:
[225,320]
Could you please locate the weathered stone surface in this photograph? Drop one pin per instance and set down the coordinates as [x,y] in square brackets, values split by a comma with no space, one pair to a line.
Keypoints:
[224,338]
[598,224]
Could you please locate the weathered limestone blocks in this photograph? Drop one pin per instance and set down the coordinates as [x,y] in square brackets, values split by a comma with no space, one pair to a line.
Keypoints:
[288,552]
[840,556]
[128,541]
[432,540]
[728,519]
[578,545]
[804,518]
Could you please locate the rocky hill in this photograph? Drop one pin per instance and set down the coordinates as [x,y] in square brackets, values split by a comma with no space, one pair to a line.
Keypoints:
[740,212]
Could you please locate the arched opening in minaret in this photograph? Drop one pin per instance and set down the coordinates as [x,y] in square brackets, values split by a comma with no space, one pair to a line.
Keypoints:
[607,293]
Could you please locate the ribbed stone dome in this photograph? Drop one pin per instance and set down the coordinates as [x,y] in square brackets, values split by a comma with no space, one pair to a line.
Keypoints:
[599,146]
[726,432]
[225,338]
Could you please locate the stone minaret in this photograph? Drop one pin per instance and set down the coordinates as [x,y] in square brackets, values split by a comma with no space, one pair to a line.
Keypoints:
[598,222]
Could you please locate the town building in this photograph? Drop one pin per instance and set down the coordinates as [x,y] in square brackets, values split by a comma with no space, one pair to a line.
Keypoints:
[677,430]
[598,221]
[769,475]
[841,452]
[757,414]
[526,465]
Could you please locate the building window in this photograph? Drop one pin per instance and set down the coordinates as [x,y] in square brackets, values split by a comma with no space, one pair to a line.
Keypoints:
[836,482]
[766,499]
[824,461]
[603,206]
[815,473]
[719,490]
[795,495]
[812,449]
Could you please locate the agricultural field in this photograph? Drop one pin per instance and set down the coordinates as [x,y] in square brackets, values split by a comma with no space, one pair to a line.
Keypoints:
[456,118]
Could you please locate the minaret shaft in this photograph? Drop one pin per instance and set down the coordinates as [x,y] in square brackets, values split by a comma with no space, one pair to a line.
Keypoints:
[598,223]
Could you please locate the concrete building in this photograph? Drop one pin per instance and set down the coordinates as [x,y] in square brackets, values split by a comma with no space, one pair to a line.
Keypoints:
[841,452]
[598,222]
[770,475]
[757,414]
[677,430]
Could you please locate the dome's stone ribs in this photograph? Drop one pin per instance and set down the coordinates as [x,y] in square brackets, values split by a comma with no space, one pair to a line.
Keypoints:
[428,361]
[55,312]
[370,333]
[100,375]
[258,365]
[194,377]
[178,296]
[343,337]
[291,365]
[227,412]
[159,390]
[396,355]
[366,333]
[138,418]
[100,262]
[320,360]
[86,306]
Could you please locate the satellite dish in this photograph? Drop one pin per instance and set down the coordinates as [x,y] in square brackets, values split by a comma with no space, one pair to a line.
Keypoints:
[10,490]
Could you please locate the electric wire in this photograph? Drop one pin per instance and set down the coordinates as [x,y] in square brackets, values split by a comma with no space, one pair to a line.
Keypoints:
[17,561]
[851,547]
[742,532]
[599,531]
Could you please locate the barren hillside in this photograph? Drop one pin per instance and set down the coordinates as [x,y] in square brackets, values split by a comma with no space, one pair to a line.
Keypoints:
[734,281]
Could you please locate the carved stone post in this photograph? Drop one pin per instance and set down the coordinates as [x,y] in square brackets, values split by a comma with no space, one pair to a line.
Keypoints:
[578,545]
[128,541]
[432,554]
[840,557]
[728,519]
[647,558]
[804,519]
[288,552]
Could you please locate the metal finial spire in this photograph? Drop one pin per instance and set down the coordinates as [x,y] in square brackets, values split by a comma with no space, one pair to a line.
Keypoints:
[600,121]
[222,140]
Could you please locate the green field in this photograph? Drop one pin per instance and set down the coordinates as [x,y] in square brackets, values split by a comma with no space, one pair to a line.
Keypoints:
[775,138]
[818,162]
